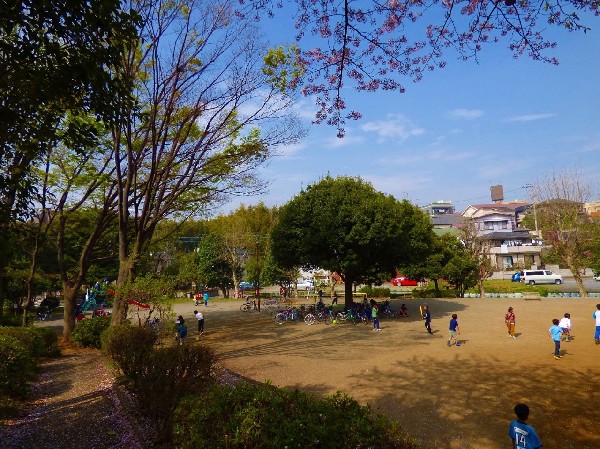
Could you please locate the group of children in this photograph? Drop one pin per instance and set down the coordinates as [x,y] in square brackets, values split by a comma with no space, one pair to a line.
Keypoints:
[560,328]
[182,330]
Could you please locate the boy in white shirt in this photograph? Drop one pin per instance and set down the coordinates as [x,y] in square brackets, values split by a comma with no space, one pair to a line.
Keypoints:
[565,323]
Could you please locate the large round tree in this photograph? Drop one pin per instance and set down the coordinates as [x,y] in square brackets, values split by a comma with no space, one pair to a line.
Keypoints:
[345,225]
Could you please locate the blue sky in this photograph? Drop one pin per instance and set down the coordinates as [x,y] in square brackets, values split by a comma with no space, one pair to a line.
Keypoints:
[460,130]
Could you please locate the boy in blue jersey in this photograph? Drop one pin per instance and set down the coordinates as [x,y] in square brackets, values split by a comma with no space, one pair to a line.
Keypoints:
[596,316]
[453,330]
[427,317]
[522,434]
[555,334]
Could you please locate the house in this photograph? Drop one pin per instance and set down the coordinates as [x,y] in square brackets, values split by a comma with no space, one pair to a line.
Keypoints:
[496,216]
[443,217]
[508,244]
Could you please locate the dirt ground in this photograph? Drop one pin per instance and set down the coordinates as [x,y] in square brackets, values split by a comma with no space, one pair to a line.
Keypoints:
[448,398]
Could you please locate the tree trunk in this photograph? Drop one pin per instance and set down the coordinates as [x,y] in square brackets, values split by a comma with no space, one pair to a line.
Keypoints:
[481,289]
[70,292]
[120,304]
[579,282]
[2,285]
[437,287]
[348,284]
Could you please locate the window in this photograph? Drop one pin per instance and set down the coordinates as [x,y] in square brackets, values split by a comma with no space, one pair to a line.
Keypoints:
[489,225]
[504,224]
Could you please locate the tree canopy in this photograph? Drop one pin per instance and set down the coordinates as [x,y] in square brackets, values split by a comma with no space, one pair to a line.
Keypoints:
[344,225]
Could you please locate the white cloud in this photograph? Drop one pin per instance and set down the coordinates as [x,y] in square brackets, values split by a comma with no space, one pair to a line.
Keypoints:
[305,109]
[396,127]
[466,114]
[531,117]
[287,151]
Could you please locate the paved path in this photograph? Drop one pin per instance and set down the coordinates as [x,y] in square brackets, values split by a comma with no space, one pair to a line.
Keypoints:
[75,406]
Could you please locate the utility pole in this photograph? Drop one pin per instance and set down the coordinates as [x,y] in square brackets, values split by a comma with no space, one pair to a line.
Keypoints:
[530,186]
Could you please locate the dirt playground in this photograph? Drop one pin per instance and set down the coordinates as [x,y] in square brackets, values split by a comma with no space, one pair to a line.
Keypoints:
[447,398]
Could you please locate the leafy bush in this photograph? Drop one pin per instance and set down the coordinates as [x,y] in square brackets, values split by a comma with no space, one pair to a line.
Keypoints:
[17,367]
[87,332]
[10,319]
[375,292]
[431,293]
[159,377]
[265,417]
[38,341]
[128,347]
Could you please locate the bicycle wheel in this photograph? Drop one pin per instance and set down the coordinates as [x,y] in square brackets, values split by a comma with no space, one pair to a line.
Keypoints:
[327,319]
[309,319]
[245,307]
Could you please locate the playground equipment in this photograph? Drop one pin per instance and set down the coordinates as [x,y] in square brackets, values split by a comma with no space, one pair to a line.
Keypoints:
[141,305]
[95,298]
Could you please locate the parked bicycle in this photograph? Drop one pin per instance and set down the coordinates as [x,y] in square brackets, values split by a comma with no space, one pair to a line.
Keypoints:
[346,317]
[248,305]
[288,315]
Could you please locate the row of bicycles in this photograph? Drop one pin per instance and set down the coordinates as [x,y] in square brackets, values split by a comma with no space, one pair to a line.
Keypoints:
[250,304]
[325,314]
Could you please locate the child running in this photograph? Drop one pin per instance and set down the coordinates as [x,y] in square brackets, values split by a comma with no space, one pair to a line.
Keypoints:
[555,334]
[565,324]
[453,330]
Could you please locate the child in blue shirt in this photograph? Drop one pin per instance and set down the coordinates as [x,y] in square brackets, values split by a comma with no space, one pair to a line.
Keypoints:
[555,333]
[453,330]
[522,434]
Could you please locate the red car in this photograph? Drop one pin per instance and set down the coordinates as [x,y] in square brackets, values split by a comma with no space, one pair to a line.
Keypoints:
[404,282]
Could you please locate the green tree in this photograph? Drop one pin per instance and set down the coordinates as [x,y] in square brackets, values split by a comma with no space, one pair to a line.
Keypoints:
[462,272]
[275,274]
[478,248]
[214,269]
[56,61]
[245,238]
[201,133]
[344,225]
[443,247]
[558,198]
[594,250]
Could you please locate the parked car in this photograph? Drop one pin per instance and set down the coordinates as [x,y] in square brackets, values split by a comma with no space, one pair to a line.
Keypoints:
[517,276]
[404,282]
[533,277]
[244,285]
[596,277]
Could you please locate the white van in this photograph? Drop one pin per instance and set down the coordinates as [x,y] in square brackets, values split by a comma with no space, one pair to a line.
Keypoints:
[533,277]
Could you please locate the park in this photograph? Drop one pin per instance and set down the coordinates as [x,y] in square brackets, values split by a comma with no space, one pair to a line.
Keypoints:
[457,397]
[132,130]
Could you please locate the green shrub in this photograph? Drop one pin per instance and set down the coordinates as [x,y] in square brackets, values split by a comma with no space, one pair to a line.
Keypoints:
[431,293]
[375,292]
[265,417]
[88,331]
[17,367]
[159,377]
[128,346]
[39,341]
[10,319]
